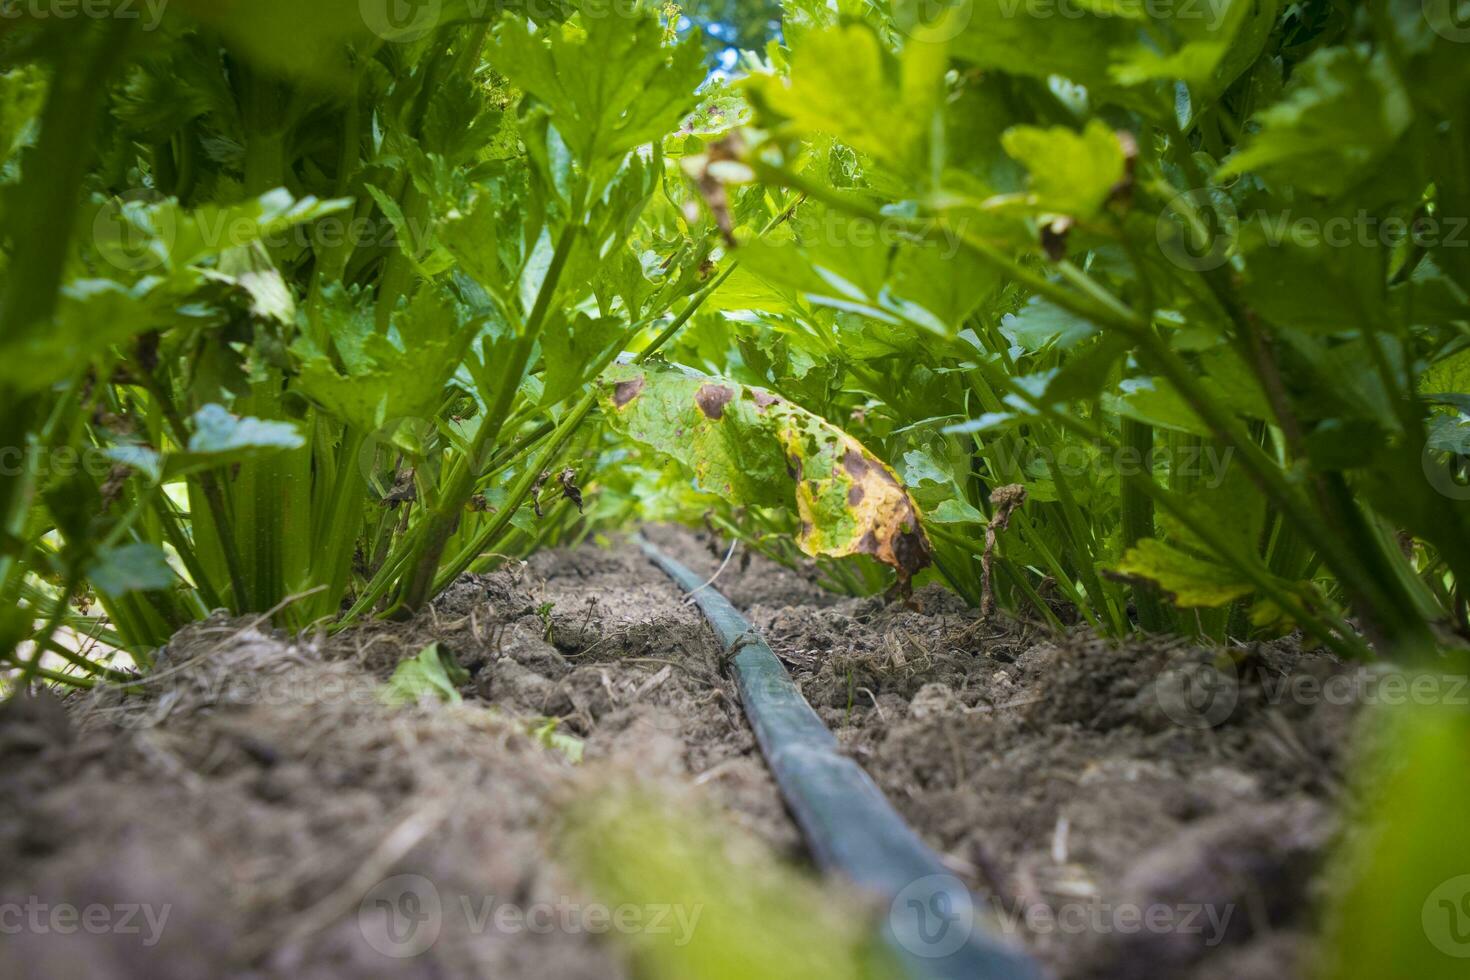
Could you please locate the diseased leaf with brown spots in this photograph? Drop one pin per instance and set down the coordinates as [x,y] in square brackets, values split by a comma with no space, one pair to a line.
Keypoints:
[756,448]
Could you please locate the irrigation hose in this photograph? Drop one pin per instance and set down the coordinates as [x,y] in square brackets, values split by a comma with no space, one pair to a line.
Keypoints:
[848,823]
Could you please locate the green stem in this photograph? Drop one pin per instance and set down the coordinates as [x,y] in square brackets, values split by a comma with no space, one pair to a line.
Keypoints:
[332,560]
[43,637]
[1092,302]
[262,116]
[573,419]
[1341,538]
[561,434]
[1336,635]
[1107,313]
[168,521]
[382,581]
[214,496]
[1138,524]
[398,271]
[460,485]
[519,492]
[66,680]
[16,493]
[84,626]
[1084,556]
[91,667]
[50,191]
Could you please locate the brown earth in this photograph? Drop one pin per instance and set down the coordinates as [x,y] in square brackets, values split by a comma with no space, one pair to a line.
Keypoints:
[261,791]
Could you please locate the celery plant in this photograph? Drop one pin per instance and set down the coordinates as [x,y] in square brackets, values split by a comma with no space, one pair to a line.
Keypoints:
[356,285]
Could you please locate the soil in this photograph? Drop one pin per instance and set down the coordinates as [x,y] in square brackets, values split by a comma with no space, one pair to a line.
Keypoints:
[260,789]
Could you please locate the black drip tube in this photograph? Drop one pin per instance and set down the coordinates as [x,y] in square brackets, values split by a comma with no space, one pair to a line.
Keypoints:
[848,823]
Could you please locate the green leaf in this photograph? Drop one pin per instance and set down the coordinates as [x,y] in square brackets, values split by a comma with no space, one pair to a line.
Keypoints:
[17,623]
[1211,44]
[218,433]
[141,458]
[920,467]
[879,270]
[988,422]
[1085,374]
[418,245]
[164,234]
[300,39]
[609,83]
[22,95]
[1232,382]
[1154,402]
[1430,46]
[1220,375]
[752,447]
[1399,906]
[938,285]
[572,350]
[1315,266]
[115,572]
[1342,114]
[473,238]
[1192,582]
[1041,323]
[826,256]
[461,120]
[1447,376]
[1222,496]
[841,84]
[549,734]
[1071,173]
[1450,433]
[384,377]
[221,439]
[1075,44]
[92,315]
[251,270]
[956,511]
[433,673]
[1450,400]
